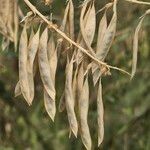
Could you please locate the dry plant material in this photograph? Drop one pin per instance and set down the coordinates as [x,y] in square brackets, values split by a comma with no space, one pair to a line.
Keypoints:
[52,57]
[32,51]
[9,21]
[23,73]
[105,40]
[135,47]
[135,43]
[83,111]
[64,21]
[88,25]
[69,98]
[44,66]
[71,20]
[43,49]
[87,29]
[67,26]
[100,112]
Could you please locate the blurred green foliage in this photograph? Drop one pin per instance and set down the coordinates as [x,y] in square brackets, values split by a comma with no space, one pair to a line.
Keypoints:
[127,103]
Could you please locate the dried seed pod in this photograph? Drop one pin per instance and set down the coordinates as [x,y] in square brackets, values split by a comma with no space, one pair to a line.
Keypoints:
[135,43]
[101,31]
[31,35]
[62,28]
[16,24]
[4,10]
[135,47]
[71,20]
[50,106]
[84,17]
[64,22]
[23,74]
[52,56]
[105,41]
[80,79]
[100,111]
[17,88]
[109,37]
[69,98]
[74,83]
[9,20]
[83,112]
[88,25]
[44,66]
[101,34]
[32,51]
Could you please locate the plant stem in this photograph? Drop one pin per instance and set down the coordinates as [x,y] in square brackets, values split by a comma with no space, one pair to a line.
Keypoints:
[51,25]
[138,2]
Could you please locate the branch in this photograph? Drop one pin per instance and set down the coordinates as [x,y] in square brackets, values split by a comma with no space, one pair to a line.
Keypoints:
[51,25]
[138,2]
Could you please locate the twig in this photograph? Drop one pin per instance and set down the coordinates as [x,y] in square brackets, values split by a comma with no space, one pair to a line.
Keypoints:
[105,7]
[138,2]
[119,69]
[51,25]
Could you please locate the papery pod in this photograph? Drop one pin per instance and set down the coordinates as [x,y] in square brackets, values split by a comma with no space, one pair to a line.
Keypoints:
[69,98]
[16,24]
[44,65]
[85,19]
[109,36]
[71,20]
[4,9]
[23,74]
[31,36]
[64,21]
[101,31]
[100,111]
[52,56]
[135,47]
[106,42]
[80,80]
[88,25]
[74,83]
[9,20]
[32,52]
[135,43]
[17,88]
[69,28]
[62,28]
[50,105]
[83,113]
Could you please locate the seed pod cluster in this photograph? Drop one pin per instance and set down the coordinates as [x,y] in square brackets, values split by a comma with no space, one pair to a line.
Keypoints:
[45,48]
[9,22]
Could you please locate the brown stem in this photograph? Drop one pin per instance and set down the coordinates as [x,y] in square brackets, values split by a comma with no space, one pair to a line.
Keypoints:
[138,2]
[51,25]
